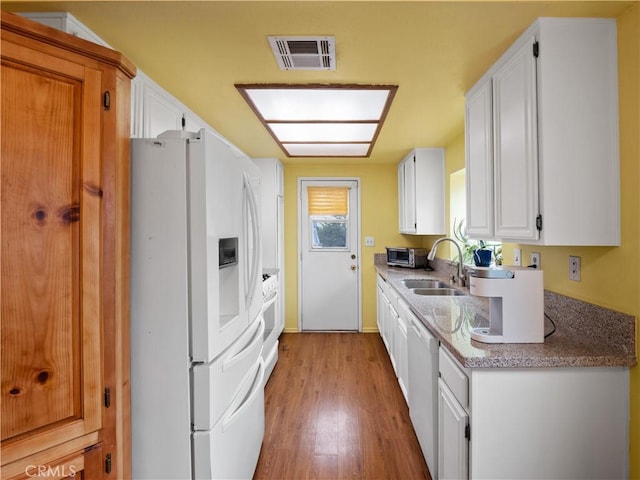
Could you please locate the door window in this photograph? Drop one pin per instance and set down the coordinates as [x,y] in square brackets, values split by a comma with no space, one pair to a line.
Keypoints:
[328,210]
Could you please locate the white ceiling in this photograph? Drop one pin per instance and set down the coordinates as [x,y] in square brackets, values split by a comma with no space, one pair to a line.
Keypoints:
[434,52]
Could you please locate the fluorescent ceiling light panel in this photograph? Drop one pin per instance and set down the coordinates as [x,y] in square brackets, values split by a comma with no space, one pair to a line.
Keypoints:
[326,149]
[324,132]
[321,120]
[323,104]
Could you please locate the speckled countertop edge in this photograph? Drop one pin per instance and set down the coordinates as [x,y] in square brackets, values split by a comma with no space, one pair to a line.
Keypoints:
[586,335]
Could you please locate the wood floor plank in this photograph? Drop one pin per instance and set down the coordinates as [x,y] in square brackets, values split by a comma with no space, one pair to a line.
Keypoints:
[334,410]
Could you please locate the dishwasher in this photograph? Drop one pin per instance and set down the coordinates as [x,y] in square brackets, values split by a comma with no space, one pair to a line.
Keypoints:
[423,391]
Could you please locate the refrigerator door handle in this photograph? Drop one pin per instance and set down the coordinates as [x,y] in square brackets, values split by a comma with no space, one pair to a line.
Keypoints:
[257,337]
[255,236]
[258,385]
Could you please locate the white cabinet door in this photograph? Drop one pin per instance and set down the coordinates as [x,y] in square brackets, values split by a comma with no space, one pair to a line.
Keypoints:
[421,192]
[453,446]
[405,319]
[392,331]
[160,113]
[479,160]
[516,153]
[384,321]
[155,111]
[407,195]
[401,356]
[380,310]
[272,221]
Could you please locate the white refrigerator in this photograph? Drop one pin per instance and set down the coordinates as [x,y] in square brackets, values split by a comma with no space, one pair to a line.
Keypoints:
[197,399]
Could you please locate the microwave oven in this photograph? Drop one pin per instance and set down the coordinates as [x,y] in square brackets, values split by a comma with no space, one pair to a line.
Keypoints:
[407,257]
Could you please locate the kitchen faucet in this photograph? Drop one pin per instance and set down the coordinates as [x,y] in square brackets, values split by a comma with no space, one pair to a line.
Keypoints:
[432,254]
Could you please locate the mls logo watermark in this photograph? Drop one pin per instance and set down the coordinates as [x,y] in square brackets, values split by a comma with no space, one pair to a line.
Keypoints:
[47,471]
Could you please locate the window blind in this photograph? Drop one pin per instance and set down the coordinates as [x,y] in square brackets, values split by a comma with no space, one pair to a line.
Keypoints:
[328,200]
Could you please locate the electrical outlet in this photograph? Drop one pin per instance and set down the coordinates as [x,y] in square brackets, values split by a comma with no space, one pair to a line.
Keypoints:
[574,268]
[517,257]
[369,242]
[535,259]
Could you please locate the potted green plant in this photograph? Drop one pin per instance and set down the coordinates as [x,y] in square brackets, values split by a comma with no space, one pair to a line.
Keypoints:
[474,252]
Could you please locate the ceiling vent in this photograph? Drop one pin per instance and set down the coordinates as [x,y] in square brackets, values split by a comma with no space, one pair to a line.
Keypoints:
[304,53]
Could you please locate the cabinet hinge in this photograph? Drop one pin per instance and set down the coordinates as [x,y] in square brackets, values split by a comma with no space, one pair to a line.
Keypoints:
[183,121]
[536,49]
[107,463]
[539,222]
[107,397]
[106,101]
[467,432]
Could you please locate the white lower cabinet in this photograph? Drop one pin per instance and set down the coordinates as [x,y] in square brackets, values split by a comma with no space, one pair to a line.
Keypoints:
[393,330]
[505,423]
[524,423]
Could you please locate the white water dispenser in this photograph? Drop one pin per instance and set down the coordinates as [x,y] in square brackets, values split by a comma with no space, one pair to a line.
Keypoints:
[516,304]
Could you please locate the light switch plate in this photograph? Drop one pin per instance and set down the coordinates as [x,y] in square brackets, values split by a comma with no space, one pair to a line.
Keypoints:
[517,257]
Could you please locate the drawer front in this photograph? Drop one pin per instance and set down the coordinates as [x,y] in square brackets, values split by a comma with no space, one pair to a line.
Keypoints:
[231,449]
[454,377]
[215,384]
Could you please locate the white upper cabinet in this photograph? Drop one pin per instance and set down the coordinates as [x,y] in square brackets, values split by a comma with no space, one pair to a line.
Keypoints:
[421,192]
[65,22]
[272,206]
[155,111]
[542,156]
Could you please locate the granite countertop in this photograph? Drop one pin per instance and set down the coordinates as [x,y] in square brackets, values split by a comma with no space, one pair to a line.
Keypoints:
[586,335]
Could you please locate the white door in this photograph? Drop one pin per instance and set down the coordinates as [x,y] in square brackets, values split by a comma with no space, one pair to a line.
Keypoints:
[329,255]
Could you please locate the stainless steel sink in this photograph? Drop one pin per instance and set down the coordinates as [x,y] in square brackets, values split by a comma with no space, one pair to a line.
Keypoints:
[423,283]
[437,291]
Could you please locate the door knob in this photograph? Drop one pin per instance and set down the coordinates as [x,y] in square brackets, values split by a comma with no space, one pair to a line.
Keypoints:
[353,267]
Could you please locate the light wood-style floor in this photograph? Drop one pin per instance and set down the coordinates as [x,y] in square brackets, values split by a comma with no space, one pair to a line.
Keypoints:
[334,410]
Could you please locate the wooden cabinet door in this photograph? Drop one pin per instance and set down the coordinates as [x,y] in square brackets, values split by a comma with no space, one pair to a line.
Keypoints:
[516,146]
[51,251]
[86,464]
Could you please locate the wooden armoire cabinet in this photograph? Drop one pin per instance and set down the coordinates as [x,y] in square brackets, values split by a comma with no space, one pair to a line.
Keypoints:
[64,216]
